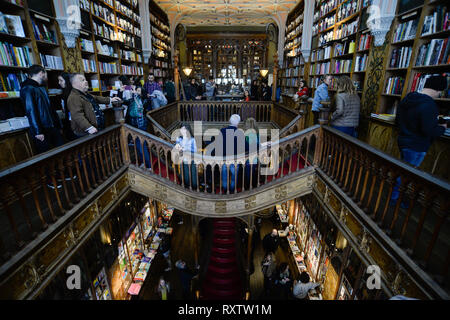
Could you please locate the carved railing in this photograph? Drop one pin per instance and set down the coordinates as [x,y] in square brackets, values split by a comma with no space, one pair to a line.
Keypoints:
[207,174]
[37,192]
[418,221]
[166,118]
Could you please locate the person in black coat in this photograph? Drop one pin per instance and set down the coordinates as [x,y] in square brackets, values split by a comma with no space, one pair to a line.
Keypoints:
[45,125]
[417,119]
[164,248]
[186,276]
[271,241]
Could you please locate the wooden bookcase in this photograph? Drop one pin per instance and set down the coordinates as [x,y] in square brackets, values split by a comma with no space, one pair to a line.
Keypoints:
[341,42]
[293,63]
[161,57]
[412,70]
[120,17]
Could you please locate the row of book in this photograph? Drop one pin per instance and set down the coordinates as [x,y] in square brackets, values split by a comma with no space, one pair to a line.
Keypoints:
[52,62]
[321,54]
[159,72]
[107,67]
[361,63]
[11,55]
[405,31]
[87,45]
[132,70]
[400,57]
[293,72]
[11,24]
[89,65]
[342,66]
[419,79]
[438,21]
[104,49]
[10,84]
[364,42]
[43,32]
[321,68]
[290,82]
[436,52]
[348,8]
[394,85]
[346,29]
[103,12]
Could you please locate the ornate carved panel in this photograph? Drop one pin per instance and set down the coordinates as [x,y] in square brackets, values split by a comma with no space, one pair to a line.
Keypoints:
[106,199]
[84,220]
[221,207]
[382,259]
[20,283]
[47,256]
[122,183]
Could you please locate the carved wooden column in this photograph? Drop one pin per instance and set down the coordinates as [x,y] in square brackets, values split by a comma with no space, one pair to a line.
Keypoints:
[176,77]
[275,76]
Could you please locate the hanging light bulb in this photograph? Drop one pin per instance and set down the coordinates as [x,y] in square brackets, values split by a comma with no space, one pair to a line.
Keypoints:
[264,72]
[187,71]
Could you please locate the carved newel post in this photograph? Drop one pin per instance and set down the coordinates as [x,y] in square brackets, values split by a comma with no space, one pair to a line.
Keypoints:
[176,77]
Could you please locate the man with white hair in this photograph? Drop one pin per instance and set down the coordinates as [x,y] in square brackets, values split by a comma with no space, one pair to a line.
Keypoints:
[232,147]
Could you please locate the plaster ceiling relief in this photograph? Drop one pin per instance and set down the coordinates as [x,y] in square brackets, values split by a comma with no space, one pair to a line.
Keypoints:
[226,12]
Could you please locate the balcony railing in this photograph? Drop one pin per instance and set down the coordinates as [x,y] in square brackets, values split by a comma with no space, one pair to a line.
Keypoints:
[417,221]
[38,192]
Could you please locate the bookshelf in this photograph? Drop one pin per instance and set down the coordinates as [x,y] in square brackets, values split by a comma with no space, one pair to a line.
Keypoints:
[160,60]
[293,64]
[419,47]
[341,42]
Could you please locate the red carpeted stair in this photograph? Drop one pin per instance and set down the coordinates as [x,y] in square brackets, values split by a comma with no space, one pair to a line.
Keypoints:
[222,280]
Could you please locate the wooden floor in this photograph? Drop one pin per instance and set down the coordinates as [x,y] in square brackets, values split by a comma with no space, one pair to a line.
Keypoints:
[182,248]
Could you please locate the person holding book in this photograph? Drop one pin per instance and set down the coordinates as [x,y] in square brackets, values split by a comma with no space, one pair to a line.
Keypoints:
[87,117]
[417,119]
[45,125]
[302,89]
[346,116]
[321,94]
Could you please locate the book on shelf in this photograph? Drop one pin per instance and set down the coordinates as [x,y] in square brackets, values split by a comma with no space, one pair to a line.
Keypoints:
[361,63]
[394,85]
[384,116]
[436,52]
[10,84]
[43,32]
[15,56]
[364,42]
[419,80]
[400,57]
[87,45]
[437,21]
[406,30]
[11,24]
[52,62]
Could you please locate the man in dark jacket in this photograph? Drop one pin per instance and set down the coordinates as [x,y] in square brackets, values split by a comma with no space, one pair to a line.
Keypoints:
[45,126]
[417,119]
[169,90]
[233,145]
[186,276]
[271,241]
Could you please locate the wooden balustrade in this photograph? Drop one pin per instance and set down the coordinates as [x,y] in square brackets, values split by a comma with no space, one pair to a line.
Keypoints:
[417,221]
[35,193]
[219,175]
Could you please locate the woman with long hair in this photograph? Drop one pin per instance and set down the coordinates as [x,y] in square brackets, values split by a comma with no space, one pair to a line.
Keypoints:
[186,144]
[302,89]
[345,118]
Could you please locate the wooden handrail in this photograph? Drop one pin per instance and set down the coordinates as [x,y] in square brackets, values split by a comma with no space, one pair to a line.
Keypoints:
[410,205]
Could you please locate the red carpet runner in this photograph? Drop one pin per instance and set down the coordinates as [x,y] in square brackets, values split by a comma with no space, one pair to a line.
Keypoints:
[222,280]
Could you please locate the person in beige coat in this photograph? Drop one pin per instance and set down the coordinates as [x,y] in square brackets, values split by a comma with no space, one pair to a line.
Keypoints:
[86,115]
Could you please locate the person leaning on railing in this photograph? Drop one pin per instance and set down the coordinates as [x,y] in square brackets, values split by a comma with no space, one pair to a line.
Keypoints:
[186,144]
[87,117]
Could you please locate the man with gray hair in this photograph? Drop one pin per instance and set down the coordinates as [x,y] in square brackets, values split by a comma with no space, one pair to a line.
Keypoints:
[232,147]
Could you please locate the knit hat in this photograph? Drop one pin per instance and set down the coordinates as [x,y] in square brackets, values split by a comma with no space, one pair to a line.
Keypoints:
[437,83]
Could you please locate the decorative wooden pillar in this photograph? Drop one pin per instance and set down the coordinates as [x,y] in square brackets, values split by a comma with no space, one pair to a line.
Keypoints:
[291,211]
[176,77]
[275,76]
[341,272]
